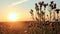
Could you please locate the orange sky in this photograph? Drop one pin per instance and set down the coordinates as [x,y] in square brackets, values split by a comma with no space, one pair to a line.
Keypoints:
[23,15]
[20,7]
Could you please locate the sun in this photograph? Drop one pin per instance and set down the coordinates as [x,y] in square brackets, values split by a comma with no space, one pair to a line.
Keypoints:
[12,16]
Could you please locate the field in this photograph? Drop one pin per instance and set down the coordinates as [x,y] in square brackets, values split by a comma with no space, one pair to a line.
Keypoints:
[24,27]
[14,27]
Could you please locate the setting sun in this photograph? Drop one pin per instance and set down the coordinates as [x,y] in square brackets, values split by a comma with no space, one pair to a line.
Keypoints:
[12,16]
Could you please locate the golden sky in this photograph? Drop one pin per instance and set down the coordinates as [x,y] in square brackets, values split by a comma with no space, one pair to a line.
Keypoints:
[21,13]
[20,7]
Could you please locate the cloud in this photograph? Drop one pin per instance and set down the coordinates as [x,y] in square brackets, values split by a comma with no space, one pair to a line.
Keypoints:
[17,3]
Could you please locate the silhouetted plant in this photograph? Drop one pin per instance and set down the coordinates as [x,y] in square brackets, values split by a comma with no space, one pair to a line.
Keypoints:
[51,5]
[36,7]
[55,6]
[41,4]
[31,12]
[57,11]
[45,5]
[41,15]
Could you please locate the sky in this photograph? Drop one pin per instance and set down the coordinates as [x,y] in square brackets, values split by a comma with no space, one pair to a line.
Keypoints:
[21,7]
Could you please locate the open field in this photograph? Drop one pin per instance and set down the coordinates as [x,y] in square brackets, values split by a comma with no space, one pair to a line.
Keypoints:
[22,27]
[14,27]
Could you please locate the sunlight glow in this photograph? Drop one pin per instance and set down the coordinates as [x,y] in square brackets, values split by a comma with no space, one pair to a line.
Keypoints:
[12,16]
